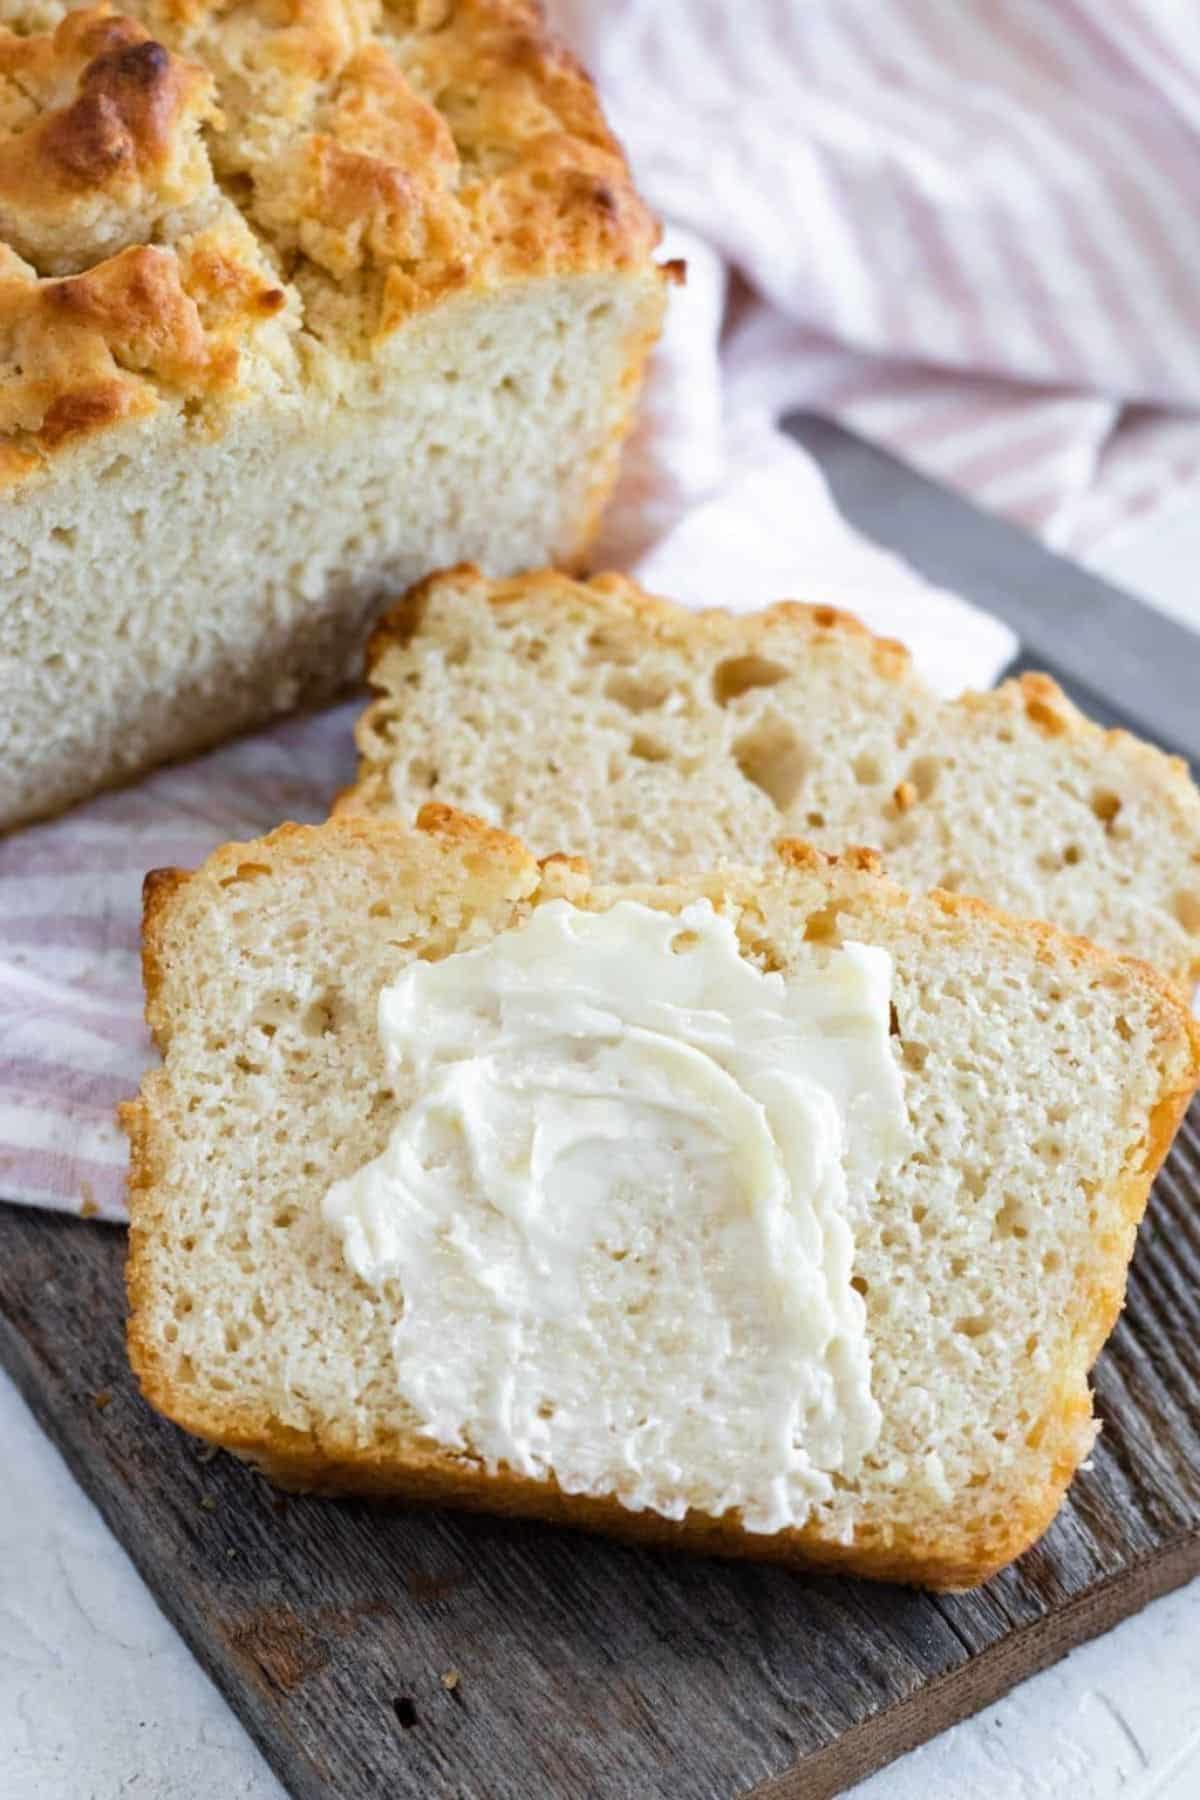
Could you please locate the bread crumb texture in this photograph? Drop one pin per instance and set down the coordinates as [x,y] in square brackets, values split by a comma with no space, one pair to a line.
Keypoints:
[1043,1079]
[192,196]
[651,738]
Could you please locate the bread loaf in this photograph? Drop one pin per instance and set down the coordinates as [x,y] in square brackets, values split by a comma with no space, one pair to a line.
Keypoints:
[1041,1082]
[592,717]
[295,305]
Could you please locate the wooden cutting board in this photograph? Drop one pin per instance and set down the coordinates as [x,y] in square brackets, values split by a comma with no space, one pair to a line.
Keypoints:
[587,1671]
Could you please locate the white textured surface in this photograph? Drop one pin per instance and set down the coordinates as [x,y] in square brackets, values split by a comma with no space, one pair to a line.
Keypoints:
[98,1696]
[99,1699]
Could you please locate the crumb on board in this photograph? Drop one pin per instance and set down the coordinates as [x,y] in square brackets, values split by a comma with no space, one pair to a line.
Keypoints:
[451,1679]
[102,1399]
[208,1504]
[87,1206]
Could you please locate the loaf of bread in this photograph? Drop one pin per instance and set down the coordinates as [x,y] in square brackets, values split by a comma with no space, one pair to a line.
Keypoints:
[1039,1079]
[296,304]
[650,739]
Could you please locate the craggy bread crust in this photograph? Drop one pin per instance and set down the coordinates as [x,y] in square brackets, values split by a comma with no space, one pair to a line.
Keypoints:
[174,177]
[963,1551]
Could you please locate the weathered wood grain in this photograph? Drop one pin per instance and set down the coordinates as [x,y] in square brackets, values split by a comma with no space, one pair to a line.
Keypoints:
[588,1671]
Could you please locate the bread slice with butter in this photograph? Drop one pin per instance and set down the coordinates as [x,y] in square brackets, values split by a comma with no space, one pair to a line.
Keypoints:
[773,1212]
[590,716]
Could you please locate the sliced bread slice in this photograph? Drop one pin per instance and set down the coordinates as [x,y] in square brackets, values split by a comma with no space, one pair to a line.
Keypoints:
[1041,1083]
[591,717]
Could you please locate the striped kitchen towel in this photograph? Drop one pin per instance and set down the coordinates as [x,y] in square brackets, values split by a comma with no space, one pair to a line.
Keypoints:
[967,231]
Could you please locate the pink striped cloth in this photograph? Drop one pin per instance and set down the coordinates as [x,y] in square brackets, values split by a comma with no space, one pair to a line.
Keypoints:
[966,230]
[969,231]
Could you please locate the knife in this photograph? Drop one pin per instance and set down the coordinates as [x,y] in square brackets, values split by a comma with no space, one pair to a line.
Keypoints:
[1120,660]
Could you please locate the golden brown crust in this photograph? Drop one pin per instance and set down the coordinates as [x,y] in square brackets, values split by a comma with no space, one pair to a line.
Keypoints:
[105,134]
[950,1556]
[354,162]
[89,351]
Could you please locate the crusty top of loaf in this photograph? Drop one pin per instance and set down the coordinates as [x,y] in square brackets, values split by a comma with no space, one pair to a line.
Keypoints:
[187,187]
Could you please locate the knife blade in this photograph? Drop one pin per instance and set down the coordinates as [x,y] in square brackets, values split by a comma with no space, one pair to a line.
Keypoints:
[1122,661]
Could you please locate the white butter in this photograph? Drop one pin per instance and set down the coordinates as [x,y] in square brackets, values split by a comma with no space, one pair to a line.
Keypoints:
[617,1211]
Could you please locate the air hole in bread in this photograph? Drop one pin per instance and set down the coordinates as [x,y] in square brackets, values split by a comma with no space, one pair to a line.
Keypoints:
[683,941]
[860,1284]
[973,1326]
[1051,1261]
[821,927]
[244,872]
[814,820]
[1187,909]
[1072,855]
[1106,805]
[455,654]
[319,1016]
[421,773]
[637,693]
[868,770]
[648,749]
[605,646]
[740,674]
[914,1056]
[771,756]
[924,773]
[1010,1220]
